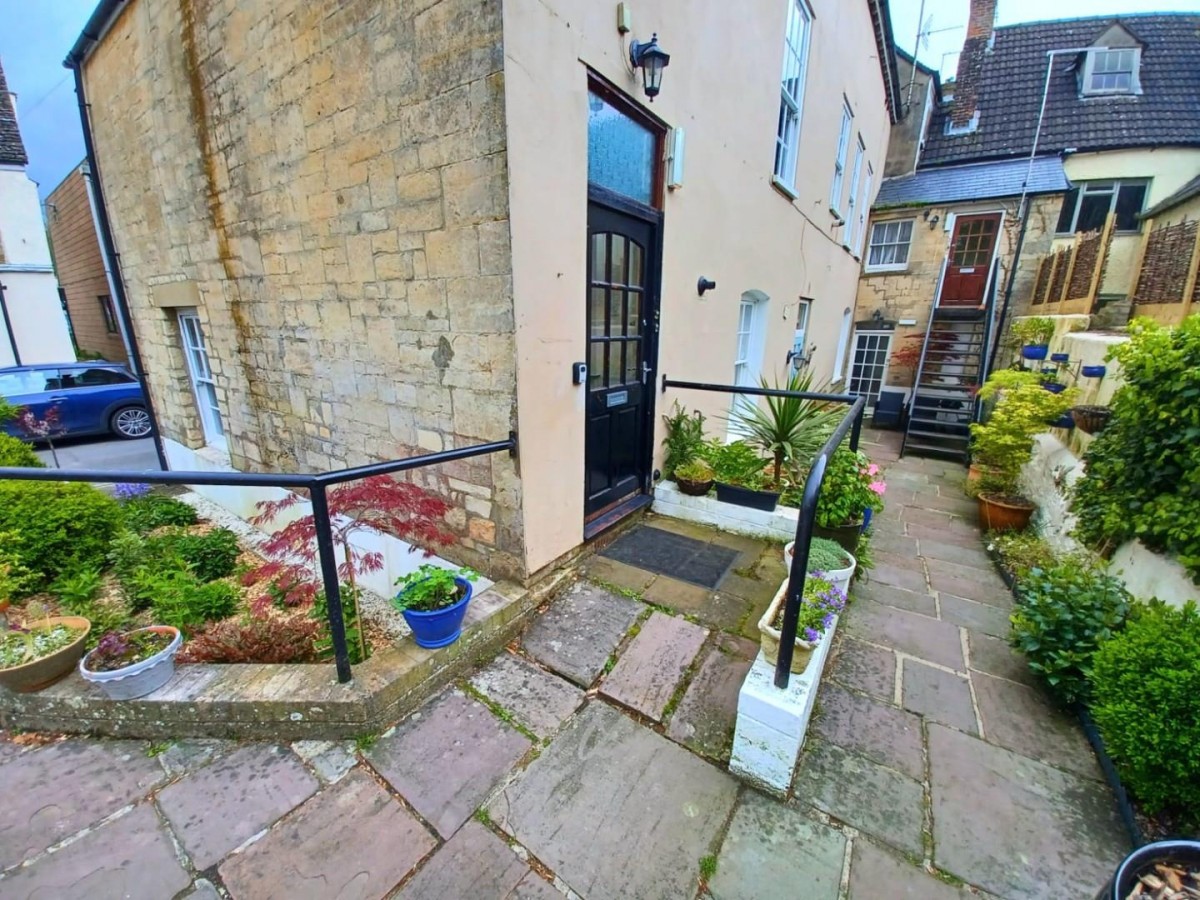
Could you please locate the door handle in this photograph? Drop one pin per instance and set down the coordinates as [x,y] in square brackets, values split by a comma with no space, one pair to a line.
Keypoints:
[56,399]
[645,371]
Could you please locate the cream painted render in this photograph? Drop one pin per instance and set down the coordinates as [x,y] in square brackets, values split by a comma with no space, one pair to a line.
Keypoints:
[30,290]
[727,222]
[1167,169]
[379,212]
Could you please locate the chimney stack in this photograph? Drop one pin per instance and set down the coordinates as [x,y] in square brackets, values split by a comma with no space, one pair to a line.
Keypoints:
[980,27]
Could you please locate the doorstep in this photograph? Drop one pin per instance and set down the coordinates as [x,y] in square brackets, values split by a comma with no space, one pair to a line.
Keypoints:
[285,701]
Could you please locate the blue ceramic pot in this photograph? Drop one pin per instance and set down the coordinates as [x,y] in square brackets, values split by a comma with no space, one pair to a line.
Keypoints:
[1060,357]
[1054,387]
[440,627]
[1063,421]
[1035,351]
[1093,371]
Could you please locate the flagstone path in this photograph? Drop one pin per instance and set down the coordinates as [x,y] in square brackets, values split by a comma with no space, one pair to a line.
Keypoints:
[590,757]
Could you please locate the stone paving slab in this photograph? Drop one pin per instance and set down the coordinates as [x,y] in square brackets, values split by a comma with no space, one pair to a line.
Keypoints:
[533,887]
[189,755]
[981,617]
[331,760]
[871,797]
[614,572]
[907,632]
[878,731]
[869,669]
[538,700]
[580,630]
[892,543]
[351,840]
[938,552]
[1025,720]
[705,718]
[883,573]
[876,874]
[616,810]
[131,856]
[992,590]
[446,758]
[225,804]
[1017,827]
[646,675]
[919,602]
[915,515]
[473,863]
[939,695]
[994,656]
[775,852]
[716,609]
[50,793]
[962,538]
[955,504]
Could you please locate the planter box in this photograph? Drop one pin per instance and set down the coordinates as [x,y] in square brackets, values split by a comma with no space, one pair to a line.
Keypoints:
[740,496]
[778,525]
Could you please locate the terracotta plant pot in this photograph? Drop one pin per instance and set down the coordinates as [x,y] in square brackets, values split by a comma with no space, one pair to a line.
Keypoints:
[845,535]
[1091,419]
[1004,513]
[693,488]
[33,676]
[975,471]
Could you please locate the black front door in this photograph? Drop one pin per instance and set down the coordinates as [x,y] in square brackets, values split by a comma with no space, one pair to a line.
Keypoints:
[622,321]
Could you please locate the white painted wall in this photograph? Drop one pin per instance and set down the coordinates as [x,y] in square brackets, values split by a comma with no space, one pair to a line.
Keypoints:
[30,288]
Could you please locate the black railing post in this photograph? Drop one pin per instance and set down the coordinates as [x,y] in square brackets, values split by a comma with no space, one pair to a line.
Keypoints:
[798,573]
[856,432]
[329,575]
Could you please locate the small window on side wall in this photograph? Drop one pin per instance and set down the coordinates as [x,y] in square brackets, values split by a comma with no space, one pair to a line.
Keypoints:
[890,242]
[109,314]
[1112,71]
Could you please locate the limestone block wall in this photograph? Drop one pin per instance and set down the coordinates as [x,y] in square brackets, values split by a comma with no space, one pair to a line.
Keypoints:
[326,183]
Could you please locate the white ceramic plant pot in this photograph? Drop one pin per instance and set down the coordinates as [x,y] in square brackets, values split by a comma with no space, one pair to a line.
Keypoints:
[840,578]
[141,678]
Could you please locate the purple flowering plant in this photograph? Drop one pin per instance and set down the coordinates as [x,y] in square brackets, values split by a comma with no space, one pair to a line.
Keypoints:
[126,491]
[821,602]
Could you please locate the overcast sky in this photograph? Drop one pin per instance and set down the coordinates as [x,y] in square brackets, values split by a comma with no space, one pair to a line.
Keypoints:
[37,34]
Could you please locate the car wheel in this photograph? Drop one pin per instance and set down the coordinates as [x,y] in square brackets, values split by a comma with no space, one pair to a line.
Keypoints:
[130,423]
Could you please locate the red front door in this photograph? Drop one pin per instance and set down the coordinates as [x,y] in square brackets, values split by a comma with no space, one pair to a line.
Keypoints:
[971,251]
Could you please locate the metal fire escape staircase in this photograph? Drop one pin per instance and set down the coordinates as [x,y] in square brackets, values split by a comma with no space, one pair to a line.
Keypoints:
[954,360]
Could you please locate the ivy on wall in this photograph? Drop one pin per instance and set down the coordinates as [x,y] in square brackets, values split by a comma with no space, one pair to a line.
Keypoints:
[1143,471]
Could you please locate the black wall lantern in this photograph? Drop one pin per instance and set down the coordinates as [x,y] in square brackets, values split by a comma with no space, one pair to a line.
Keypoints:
[651,59]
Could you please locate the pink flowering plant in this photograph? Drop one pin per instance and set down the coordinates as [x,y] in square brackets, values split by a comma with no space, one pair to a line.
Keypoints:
[853,484]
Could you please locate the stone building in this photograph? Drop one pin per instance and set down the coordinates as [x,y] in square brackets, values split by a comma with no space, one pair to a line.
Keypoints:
[79,265]
[976,177]
[357,230]
[33,325]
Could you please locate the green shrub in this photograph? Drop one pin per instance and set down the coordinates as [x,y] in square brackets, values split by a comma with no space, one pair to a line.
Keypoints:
[210,556]
[1143,471]
[736,463]
[1146,701]
[1063,614]
[15,452]
[78,588]
[206,557]
[323,642]
[145,513]
[178,598]
[14,577]
[57,527]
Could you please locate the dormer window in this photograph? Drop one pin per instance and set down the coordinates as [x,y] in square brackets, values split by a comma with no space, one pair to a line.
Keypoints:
[1112,71]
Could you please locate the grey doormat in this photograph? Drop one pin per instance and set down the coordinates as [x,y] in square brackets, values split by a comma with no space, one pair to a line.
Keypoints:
[672,555]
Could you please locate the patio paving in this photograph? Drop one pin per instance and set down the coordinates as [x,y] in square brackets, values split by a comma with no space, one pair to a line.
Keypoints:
[590,756]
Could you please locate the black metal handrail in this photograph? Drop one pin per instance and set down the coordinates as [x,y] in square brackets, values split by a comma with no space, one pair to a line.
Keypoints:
[316,484]
[851,422]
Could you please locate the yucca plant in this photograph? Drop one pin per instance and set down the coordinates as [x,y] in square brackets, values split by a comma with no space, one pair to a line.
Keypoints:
[790,430]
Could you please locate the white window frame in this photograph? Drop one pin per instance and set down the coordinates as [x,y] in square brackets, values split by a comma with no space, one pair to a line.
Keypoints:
[839,358]
[860,150]
[749,345]
[1102,186]
[800,340]
[892,266]
[195,351]
[860,225]
[1089,71]
[839,163]
[887,359]
[791,103]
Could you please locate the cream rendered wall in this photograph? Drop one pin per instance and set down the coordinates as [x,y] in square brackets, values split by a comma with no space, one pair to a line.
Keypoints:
[727,222]
[1168,169]
[31,292]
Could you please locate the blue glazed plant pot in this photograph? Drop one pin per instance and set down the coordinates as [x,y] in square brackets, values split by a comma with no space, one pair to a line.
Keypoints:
[1063,421]
[1093,371]
[439,627]
[867,513]
[1035,351]
[1060,357]
[1054,387]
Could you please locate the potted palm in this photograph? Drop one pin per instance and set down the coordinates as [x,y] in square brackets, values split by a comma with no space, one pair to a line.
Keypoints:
[1034,334]
[819,606]
[36,655]
[827,559]
[434,601]
[134,663]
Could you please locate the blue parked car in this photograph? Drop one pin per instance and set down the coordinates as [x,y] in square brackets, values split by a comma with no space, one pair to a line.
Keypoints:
[93,397]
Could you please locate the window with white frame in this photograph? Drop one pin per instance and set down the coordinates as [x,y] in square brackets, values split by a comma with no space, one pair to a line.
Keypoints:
[1087,205]
[203,383]
[1112,71]
[839,359]
[860,225]
[852,204]
[799,355]
[889,245]
[839,164]
[791,99]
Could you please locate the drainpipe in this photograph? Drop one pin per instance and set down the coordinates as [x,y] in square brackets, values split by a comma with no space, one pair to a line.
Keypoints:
[12,338]
[74,62]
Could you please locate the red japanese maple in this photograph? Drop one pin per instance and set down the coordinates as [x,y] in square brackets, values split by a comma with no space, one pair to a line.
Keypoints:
[45,429]
[399,508]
